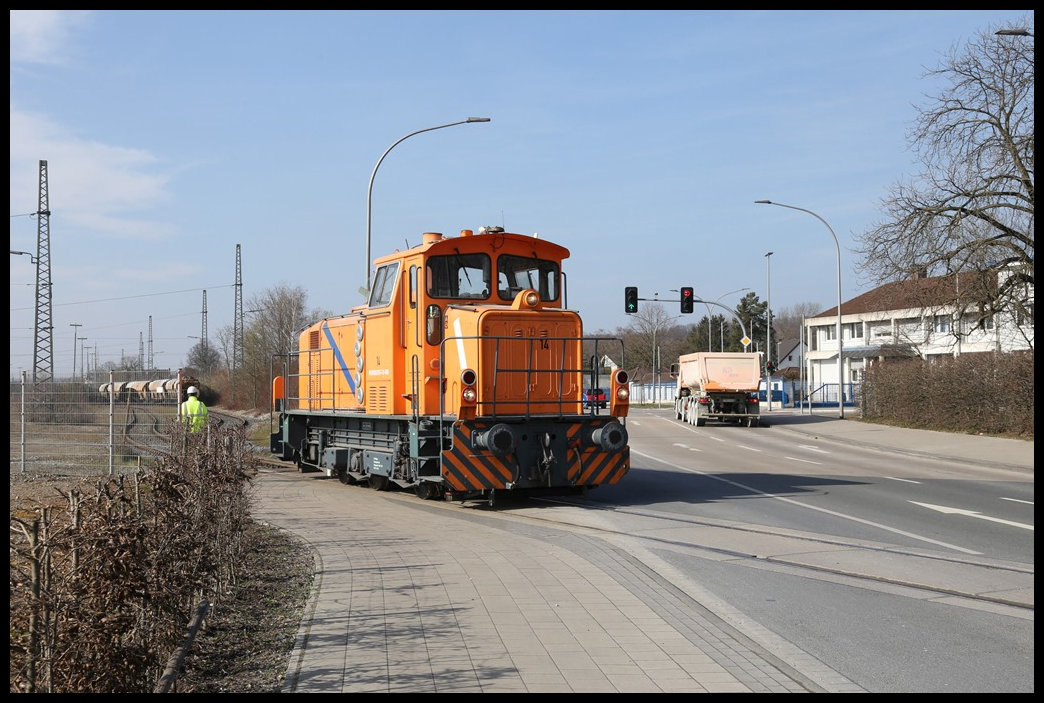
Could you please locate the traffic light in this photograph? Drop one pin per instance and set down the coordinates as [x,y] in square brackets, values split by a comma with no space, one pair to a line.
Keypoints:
[631,299]
[686,299]
[770,367]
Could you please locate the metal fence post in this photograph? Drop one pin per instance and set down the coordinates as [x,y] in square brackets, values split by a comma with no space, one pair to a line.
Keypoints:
[112,424]
[23,424]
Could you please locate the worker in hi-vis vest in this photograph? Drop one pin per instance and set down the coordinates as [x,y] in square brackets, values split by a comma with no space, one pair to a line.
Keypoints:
[193,411]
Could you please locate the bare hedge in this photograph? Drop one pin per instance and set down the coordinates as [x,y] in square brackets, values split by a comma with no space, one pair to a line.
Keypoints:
[104,582]
[988,394]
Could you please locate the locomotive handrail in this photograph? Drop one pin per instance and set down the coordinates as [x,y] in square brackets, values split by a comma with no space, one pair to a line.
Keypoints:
[527,403]
[304,399]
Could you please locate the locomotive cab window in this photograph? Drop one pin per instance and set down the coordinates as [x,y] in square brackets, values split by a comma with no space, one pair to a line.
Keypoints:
[383,284]
[459,276]
[515,273]
[433,325]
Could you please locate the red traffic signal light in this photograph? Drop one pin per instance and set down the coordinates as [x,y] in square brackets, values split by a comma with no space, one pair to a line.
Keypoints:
[686,299]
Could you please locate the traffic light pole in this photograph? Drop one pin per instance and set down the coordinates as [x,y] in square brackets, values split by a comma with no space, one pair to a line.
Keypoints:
[631,306]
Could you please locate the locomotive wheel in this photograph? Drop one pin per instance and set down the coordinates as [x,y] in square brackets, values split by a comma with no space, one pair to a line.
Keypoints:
[377,483]
[426,490]
[344,477]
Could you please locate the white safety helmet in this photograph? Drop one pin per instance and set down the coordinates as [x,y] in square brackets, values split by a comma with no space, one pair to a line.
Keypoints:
[192,390]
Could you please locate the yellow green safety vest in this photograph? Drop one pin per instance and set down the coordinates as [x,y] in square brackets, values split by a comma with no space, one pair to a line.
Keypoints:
[194,412]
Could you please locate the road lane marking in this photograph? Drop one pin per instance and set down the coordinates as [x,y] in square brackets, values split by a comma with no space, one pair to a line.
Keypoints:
[805,461]
[904,480]
[1016,500]
[686,446]
[799,504]
[971,513]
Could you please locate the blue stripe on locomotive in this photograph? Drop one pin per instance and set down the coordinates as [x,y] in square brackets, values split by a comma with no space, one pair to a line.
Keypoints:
[339,357]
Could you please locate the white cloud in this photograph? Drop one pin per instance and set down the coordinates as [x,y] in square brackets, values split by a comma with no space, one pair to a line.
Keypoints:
[94,183]
[43,36]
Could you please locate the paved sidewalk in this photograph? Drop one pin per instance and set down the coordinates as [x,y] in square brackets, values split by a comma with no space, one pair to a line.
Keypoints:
[411,597]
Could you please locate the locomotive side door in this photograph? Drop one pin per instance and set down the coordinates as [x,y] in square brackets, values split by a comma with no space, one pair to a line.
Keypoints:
[382,342]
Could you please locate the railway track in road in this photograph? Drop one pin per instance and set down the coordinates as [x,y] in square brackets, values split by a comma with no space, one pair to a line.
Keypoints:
[865,564]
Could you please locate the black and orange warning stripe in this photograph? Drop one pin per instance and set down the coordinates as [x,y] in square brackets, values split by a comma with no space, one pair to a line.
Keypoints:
[465,468]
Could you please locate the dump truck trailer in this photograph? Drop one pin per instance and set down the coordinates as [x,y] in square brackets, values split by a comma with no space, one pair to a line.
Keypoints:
[718,386]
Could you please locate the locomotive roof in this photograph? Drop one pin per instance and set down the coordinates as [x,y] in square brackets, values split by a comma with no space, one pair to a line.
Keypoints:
[493,239]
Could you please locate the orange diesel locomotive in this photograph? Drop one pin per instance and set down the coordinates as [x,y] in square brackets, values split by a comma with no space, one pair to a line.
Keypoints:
[461,377]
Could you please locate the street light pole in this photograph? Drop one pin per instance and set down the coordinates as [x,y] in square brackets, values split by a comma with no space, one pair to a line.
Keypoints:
[74,325]
[716,302]
[369,192]
[840,382]
[768,328]
[709,316]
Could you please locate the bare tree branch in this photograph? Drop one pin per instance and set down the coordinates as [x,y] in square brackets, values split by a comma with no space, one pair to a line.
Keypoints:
[971,208]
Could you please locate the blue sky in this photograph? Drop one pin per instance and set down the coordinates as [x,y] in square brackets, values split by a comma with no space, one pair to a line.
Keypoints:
[638,139]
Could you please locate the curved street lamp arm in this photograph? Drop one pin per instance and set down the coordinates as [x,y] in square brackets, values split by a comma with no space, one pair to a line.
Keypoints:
[840,361]
[369,191]
[734,313]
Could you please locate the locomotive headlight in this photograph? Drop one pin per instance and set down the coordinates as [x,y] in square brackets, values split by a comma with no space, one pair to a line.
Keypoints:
[532,299]
[468,394]
[621,394]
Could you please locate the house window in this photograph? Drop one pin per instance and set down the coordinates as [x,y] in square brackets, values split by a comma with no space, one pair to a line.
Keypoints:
[910,328]
[853,330]
[942,324]
[830,333]
[880,330]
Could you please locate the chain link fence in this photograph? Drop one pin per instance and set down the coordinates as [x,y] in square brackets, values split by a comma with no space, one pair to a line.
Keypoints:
[67,429]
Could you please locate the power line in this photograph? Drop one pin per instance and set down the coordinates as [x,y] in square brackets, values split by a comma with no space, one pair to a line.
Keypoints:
[130,297]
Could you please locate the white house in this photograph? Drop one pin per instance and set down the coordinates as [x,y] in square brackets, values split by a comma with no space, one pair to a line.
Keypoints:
[917,317]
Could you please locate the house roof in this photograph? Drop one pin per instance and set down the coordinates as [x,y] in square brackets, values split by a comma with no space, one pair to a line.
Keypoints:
[919,292]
